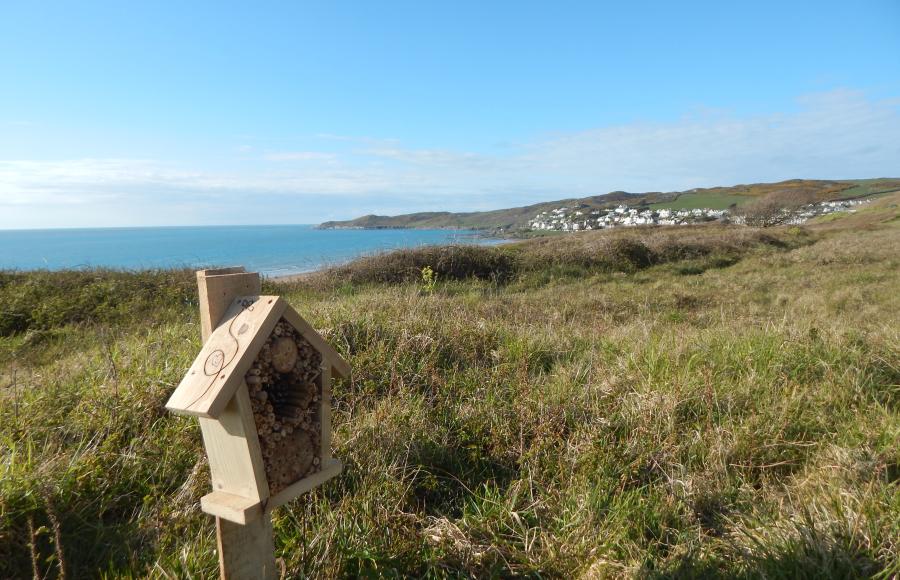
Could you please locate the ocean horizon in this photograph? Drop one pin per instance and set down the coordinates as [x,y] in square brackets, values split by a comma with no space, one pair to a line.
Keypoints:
[272,250]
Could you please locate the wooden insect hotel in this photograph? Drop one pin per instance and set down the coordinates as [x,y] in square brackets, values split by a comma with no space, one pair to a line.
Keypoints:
[261,388]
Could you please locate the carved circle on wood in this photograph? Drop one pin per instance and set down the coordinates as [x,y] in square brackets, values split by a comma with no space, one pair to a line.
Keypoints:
[284,354]
[214,362]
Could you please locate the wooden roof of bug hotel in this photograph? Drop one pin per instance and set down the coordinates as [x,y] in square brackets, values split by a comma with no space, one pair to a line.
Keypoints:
[227,355]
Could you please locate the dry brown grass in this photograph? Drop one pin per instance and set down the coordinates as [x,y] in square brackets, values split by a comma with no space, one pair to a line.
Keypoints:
[691,417]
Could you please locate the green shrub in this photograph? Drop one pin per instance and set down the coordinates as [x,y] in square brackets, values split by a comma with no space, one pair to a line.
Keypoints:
[43,300]
[447,263]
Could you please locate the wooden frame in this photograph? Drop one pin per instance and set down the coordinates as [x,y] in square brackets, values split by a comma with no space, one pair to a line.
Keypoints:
[215,391]
[237,325]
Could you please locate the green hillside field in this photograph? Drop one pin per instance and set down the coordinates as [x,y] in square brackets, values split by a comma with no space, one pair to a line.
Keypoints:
[712,200]
[725,197]
[686,402]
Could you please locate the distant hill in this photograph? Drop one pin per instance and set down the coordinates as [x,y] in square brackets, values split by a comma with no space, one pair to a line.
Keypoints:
[518,218]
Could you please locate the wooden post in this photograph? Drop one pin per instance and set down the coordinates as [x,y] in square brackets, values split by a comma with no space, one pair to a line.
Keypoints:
[218,289]
[245,551]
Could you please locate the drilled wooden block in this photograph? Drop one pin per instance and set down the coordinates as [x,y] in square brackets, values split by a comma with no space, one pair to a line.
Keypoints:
[285,384]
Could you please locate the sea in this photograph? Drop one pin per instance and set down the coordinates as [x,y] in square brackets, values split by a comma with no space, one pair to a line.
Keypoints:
[279,250]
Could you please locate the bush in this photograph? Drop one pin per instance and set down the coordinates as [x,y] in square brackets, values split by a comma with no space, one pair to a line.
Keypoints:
[618,250]
[43,300]
[775,208]
[446,262]
[630,254]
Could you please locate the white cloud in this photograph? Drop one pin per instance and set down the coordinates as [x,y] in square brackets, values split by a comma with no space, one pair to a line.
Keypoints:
[301,156]
[24,182]
[837,134]
[840,134]
[436,158]
[80,181]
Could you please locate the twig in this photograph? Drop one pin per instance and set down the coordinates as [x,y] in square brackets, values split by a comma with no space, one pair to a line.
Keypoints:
[161,570]
[15,387]
[113,372]
[57,536]
[751,466]
[35,568]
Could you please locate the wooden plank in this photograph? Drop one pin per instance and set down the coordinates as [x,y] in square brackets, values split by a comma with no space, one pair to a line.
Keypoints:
[340,366]
[328,471]
[242,399]
[226,356]
[221,271]
[246,552]
[230,455]
[234,508]
[325,412]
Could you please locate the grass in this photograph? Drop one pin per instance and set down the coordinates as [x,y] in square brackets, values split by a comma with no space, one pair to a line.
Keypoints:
[871,188]
[621,250]
[663,403]
[712,200]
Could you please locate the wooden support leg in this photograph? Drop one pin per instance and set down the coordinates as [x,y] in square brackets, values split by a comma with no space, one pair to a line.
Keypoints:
[246,552]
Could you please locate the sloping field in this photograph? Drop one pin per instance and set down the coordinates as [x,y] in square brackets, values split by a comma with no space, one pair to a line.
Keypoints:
[801,189]
[712,200]
[652,403]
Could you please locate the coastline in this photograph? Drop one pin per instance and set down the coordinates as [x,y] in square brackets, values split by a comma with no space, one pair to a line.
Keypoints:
[276,251]
[290,278]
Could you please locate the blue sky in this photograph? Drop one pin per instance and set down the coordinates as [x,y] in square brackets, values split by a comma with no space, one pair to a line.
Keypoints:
[170,113]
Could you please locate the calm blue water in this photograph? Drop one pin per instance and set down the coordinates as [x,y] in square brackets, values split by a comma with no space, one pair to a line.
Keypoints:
[271,250]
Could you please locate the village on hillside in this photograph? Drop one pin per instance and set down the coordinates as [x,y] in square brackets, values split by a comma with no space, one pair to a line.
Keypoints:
[580,218]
